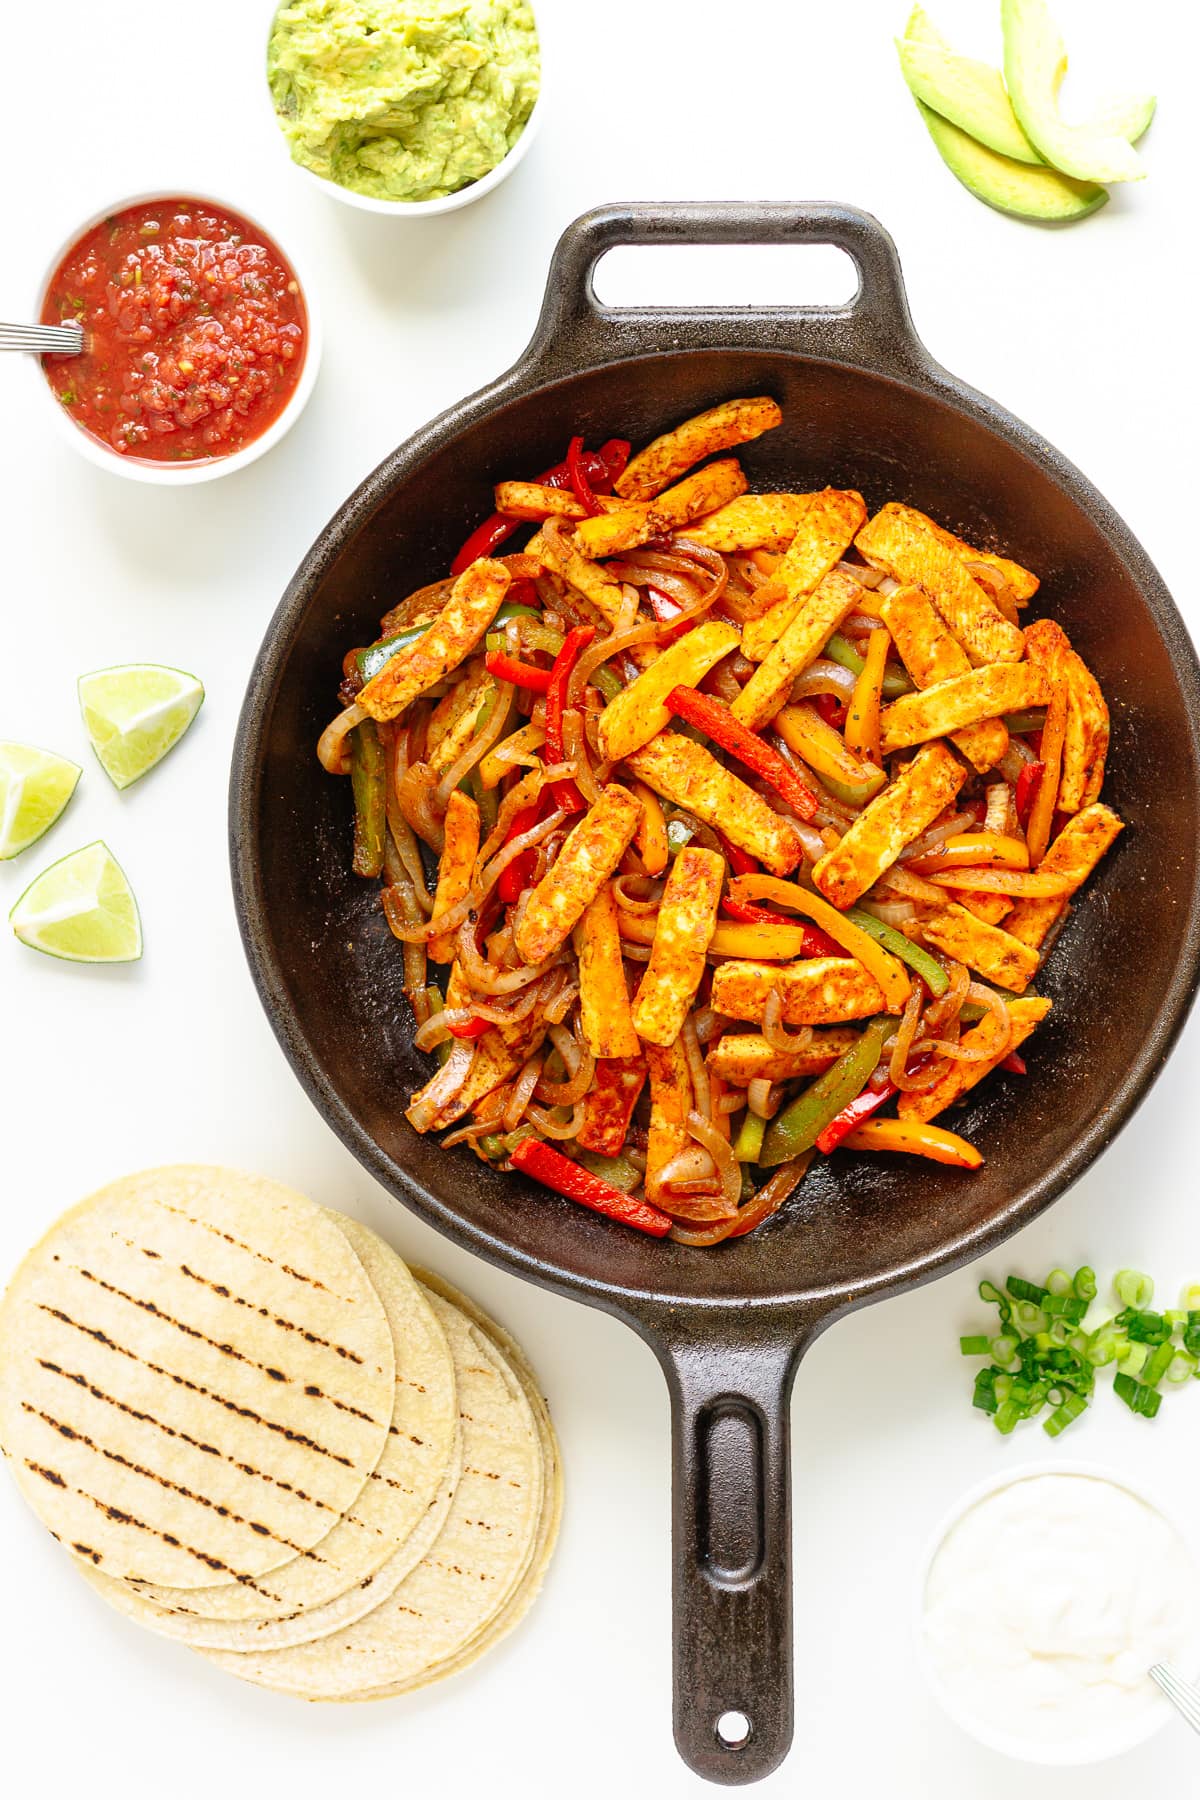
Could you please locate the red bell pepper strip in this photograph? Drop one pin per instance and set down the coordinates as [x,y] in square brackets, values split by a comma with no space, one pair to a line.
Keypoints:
[816,942]
[556,1171]
[581,487]
[1028,783]
[860,1108]
[524,675]
[519,873]
[566,794]
[1016,1065]
[599,469]
[471,1028]
[739,860]
[831,709]
[714,718]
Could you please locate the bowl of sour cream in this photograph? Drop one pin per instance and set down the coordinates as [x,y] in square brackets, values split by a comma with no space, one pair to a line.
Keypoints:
[1044,1599]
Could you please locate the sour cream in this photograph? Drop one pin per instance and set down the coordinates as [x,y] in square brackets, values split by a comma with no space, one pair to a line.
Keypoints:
[1044,1607]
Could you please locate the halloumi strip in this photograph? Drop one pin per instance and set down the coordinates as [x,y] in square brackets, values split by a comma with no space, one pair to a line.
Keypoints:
[689,775]
[1023,582]
[609,1102]
[686,916]
[635,524]
[640,711]
[991,908]
[821,540]
[911,549]
[963,700]
[670,1104]
[454,868]
[1028,884]
[893,819]
[722,427]
[824,990]
[1073,855]
[932,655]
[752,522]
[605,1017]
[562,556]
[1085,744]
[585,862]
[475,599]
[743,1057]
[530,500]
[957,1078]
[452,721]
[992,952]
[818,616]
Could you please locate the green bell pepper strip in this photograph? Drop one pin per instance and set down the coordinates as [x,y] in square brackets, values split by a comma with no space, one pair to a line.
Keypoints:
[749,1143]
[799,1125]
[534,637]
[372,659]
[841,650]
[618,1171]
[1022,723]
[931,972]
[368,781]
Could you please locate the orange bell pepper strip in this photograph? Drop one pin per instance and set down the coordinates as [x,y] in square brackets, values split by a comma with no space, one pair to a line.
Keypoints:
[887,969]
[651,835]
[970,849]
[1041,813]
[915,1140]
[862,720]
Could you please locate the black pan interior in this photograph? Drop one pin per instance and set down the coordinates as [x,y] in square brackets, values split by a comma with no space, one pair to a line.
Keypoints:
[1119,977]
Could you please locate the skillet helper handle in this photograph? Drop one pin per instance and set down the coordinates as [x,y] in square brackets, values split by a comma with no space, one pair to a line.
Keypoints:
[873,330]
[731,1525]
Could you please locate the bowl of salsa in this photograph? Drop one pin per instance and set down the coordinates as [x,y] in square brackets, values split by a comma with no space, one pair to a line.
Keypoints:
[201,342]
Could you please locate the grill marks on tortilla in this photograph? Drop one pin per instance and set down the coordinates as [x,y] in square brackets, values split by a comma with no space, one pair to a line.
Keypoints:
[211,1409]
[268,1369]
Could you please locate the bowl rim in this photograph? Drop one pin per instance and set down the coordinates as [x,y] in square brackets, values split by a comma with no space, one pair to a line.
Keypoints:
[1075,1753]
[152,474]
[446,203]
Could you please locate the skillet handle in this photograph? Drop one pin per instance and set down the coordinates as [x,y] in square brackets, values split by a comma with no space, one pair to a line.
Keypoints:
[874,330]
[731,1526]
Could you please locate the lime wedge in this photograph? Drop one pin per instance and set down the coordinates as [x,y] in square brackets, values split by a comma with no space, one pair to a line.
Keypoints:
[135,714]
[35,785]
[81,909]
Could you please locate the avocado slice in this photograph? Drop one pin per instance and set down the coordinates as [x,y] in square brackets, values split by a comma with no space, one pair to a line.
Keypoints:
[1034,61]
[1008,185]
[968,93]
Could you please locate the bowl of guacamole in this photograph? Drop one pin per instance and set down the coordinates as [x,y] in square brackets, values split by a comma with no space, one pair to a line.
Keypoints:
[405,105]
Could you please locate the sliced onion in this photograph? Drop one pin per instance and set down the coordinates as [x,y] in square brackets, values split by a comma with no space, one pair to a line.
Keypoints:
[902,1042]
[401,844]
[561,1002]
[416,799]
[721,1151]
[937,834]
[556,1128]
[466,1134]
[522,1092]
[580,1066]
[518,799]
[478,747]
[943,1013]
[439,1026]
[769,1198]
[762,1097]
[576,749]
[701,1089]
[483,977]
[812,842]
[443,1089]
[999,589]
[860,572]
[709,1024]
[774,1030]
[824,676]
[890,912]
[1015,759]
[453,918]
[643,904]
[996,818]
[856,624]
[333,752]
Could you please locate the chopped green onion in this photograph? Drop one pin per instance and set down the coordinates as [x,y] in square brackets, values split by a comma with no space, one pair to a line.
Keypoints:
[1085,1282]
[1144,1327]
[1176,1319]
[1183,1367]
[1065,1414]
[1025,1290]
[991,1293]
[1133,1288]
[1190,1297]
[1191,1336]
[1141,1400]
[980,1345]
[1031,1317]
[1007,1415]
[1159,1363]
[1065,1306]
[1004,1350]
[1134,1359]
[1002,1386]
[1058,1282]
[985,1392]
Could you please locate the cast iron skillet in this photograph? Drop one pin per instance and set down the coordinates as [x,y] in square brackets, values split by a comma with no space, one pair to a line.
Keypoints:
[864,406]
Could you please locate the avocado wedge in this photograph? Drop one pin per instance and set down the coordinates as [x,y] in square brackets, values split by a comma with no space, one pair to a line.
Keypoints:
[1012,187]
[1034,62]
[968,93]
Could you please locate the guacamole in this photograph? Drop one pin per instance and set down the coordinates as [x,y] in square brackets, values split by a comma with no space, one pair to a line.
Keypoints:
[403,99]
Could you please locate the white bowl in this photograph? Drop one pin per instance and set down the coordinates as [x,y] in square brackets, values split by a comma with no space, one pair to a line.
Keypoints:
[423,209]
[184,474]
[1072,1753]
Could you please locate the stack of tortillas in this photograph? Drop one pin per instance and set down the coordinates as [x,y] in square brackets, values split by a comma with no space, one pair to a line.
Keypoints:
[257,1433]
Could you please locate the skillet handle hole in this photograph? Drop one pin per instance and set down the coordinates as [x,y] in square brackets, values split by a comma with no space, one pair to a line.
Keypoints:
[733,1730]
[693,276]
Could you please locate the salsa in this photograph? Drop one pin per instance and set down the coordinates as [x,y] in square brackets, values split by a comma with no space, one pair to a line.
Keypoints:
[196,332]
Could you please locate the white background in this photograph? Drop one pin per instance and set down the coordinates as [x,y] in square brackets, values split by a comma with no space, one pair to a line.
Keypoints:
[1087,332]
